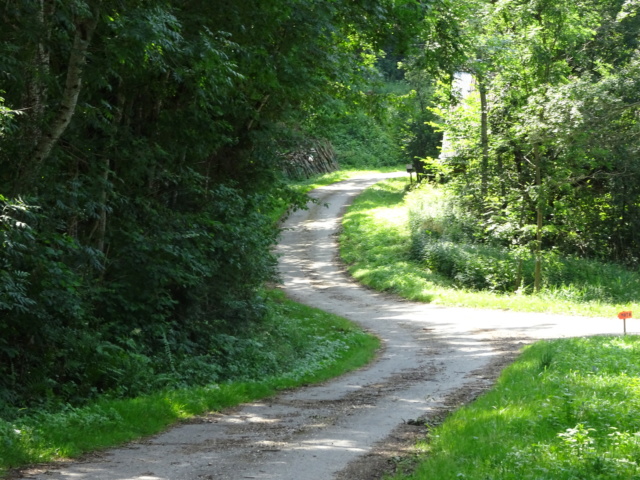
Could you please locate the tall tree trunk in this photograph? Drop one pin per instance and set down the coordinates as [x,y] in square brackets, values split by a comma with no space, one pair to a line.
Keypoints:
[35,99]
[102,220]
[73,85]
[537,278]
[503,184]
[37,90]
[484,138]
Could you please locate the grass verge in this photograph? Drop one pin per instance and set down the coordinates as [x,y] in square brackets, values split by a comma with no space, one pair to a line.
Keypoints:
[316,345]
[566,409]
[376,245]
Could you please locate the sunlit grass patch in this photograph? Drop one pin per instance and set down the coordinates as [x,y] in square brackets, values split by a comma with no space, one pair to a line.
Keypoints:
[375,243]
[302,187]
[566,409]
[378,247]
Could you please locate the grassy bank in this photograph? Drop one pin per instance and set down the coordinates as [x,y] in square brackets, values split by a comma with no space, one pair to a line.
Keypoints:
[377,246]
[566,409]
[308,344]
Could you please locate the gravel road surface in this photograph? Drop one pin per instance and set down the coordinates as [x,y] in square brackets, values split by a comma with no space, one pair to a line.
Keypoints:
[355,427]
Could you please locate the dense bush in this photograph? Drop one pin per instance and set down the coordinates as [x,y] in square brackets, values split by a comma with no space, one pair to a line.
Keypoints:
[146,316]
[449,242]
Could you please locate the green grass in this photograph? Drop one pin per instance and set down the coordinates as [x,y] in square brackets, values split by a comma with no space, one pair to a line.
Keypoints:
[315,344]
[566,409]
[376,245]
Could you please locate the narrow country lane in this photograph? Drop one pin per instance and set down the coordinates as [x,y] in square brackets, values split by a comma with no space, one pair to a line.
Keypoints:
[433,358]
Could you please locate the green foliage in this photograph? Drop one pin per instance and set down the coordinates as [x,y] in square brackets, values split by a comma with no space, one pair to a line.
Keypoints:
[448,242]
[139,184]
[564,409]
[170,271]
[360,139]
[418,137]
[44,304]
[473,266]
[387,231]
[294,346]
[6,116]
[384,123]
[375,243]
[551,167]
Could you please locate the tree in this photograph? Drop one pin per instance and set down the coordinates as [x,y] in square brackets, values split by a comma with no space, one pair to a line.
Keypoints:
[520,175]
[138,184]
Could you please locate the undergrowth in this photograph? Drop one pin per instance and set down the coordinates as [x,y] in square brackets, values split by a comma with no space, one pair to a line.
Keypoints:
[566,409]
[295,345]
[418,246]
[444,239]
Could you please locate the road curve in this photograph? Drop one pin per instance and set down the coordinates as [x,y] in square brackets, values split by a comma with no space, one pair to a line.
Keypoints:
[321,432]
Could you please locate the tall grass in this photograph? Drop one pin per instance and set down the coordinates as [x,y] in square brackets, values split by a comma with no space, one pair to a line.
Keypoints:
[418,246]
[375,243]
[566,409]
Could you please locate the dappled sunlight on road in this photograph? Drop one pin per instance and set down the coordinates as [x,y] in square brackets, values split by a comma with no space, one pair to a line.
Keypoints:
[330,444]
[430,354]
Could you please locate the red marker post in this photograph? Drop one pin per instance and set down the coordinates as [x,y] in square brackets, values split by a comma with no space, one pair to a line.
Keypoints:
[623,316]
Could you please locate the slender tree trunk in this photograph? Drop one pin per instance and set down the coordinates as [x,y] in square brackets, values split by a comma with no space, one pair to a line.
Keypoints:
[484,138]
[521,223]
[37,90]
[100,227]
[102,221]
[262,104]
[71,91]
[503,184]
[72,222]
[518,282]
[537,279]
[35,99]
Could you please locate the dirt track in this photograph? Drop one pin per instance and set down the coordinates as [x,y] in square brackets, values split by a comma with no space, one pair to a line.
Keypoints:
[356,427]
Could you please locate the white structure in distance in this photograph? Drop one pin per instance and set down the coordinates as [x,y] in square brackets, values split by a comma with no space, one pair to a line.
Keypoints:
[463,86]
